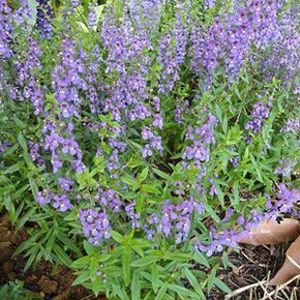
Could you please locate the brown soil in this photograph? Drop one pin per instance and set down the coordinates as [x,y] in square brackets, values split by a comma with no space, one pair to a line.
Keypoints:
[49,282]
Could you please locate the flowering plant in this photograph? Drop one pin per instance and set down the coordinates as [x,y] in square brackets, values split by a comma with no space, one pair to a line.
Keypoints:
[145,138]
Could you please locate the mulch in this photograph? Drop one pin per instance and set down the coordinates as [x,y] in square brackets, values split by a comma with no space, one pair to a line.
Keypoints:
[252,268]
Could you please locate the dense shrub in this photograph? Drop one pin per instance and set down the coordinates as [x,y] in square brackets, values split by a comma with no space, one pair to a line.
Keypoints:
[144,138]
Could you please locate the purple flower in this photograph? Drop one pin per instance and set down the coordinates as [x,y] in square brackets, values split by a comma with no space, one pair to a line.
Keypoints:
[65,183]
[172,56]
[260,112]
[129,209]
[43,21]
[109,199]
[62,203]
[292,125]
[95,225]
[44,197]
[6,30]
[147,152]
[285,167]
[92,17]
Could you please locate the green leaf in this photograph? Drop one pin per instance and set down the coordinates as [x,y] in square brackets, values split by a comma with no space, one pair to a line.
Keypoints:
[62,256]
[117,237]
[68,242]
[212,213]
[89,249]
[33,186]
[24,219]
[236,196]
[162,291]
[129,180]
[126,260]
[180,290]
[22,142]
[135,287]
[50,245]
[26,245]
[12,169]
[194,282]
[143,175]
[211,279]
[83,277]
[8,203]
[221,285]
[150,188]
[218,112]
[155,279]
[96,285]
[161,174]
[82,262]
[10,150]
[31,258]
[144,261]
[200,258]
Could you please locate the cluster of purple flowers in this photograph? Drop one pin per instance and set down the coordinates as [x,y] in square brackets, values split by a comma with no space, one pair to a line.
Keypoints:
[65,183]
[145,14]
[127,54]
[29,88]
[34,149]
[285,167]
[4,144]
[59,202]
[130,211]
[96,225]
[43,22]
[234,160]
[260,112]
[172,50]
[201,137]
[54,142]
[155,142]
[285,202]
[229,39]
[209,3]
[67,81]
[285,54]
[109,199]
[92,17]
[292,125]
[175,220]
[6,30]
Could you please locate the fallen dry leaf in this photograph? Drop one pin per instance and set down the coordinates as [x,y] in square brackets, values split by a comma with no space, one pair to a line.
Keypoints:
[271,232]
[291,265]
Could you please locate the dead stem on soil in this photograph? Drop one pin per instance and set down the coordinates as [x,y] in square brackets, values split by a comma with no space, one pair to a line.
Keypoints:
[88,296]
[282,286]
[264,286]
[243,289]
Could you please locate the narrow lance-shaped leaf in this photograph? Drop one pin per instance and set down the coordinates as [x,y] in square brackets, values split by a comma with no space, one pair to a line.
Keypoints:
[271,232]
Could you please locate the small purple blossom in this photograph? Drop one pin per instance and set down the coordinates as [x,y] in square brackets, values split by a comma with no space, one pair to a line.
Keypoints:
[260,112]
[95,225]
[62,203]
[44,197]
[65,183]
